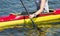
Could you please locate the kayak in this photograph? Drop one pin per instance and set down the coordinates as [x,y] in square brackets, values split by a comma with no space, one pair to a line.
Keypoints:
[52,18]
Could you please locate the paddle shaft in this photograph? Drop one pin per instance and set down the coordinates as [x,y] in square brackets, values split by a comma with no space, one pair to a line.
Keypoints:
[27,13]
[34,25]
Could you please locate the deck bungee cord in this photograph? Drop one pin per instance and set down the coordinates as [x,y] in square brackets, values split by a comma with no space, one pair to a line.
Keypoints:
[33,23]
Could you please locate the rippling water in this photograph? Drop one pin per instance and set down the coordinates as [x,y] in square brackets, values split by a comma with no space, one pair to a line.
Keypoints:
[9,6]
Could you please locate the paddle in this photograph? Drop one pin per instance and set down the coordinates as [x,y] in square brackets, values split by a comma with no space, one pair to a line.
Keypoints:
[34,25]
